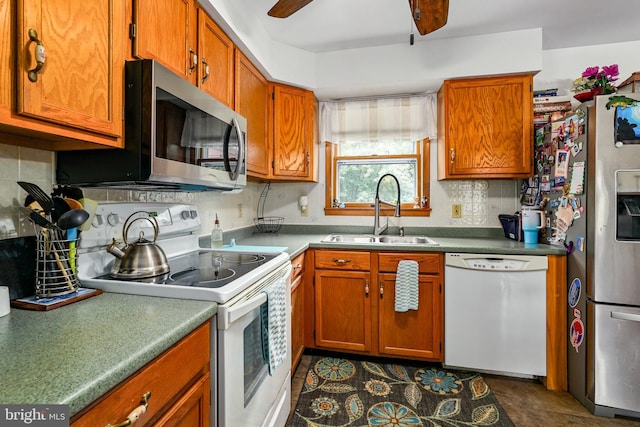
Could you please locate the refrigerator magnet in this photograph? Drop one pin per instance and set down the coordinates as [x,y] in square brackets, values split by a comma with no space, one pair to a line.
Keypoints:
[577,178]
[580,244]
[576,333]
[575,290]
[562,163]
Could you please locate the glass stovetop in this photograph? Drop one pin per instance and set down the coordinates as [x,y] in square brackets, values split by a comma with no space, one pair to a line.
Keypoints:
[206,269]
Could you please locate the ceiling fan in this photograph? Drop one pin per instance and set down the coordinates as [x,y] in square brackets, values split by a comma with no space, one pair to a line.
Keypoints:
[429,15]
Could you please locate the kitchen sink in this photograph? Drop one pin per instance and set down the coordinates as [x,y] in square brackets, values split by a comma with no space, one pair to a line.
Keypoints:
[350,238]
[379,240]
[410,240]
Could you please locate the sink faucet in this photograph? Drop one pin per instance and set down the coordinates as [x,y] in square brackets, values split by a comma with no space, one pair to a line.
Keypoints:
[377,228]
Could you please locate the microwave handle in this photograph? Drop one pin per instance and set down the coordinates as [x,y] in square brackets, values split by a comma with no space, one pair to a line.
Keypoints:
[236,126]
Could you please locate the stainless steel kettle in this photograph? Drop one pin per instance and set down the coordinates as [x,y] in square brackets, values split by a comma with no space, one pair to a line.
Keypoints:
[140,259]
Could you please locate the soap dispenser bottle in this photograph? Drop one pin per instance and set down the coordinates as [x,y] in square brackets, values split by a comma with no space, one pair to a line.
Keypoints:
[216,234]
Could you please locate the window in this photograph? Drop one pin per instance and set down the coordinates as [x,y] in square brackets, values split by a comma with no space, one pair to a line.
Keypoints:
[354,169]
[369,138]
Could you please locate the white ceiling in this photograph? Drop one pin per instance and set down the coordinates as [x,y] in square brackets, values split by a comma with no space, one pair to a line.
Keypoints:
[328,25]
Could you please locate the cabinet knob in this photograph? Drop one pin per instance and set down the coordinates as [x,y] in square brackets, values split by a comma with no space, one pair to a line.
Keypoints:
[40,55]
[381,289]
[136,413]
[366,289]
[453,154]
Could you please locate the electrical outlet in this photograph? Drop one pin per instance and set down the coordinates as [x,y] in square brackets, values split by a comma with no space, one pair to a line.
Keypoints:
[239,210]
[456,211]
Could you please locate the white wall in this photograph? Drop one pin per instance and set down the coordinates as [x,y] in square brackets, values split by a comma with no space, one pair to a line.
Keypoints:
[482,200]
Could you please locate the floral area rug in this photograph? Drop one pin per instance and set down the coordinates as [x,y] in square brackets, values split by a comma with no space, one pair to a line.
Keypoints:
[342,392]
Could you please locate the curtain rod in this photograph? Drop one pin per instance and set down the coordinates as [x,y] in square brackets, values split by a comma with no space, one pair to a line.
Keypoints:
[374,97]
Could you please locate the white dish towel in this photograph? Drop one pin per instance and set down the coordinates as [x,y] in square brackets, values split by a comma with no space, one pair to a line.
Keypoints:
[407,286]
[274,325]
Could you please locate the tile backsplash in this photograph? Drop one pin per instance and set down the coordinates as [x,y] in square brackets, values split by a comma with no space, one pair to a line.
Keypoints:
[21,164]
[481,200]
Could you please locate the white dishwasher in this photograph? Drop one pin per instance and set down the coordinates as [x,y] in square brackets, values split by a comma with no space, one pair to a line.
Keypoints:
[495,313]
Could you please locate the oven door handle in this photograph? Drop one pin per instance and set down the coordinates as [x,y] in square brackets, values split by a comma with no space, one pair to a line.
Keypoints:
[236,311]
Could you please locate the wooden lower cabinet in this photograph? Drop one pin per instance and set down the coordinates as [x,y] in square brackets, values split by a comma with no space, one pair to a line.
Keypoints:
[178,382]
[343,310]
[297,310]
[414,333]
[354,305]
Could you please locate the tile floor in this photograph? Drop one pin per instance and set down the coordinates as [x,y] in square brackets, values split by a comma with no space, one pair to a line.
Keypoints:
[527,403]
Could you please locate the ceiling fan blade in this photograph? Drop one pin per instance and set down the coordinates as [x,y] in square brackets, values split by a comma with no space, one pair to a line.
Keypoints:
[284,8]
[429,15]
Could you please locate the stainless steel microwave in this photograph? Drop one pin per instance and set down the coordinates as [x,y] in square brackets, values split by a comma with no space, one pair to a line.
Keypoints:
[177,137]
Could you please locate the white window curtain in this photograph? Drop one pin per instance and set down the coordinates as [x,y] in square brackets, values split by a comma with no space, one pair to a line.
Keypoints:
[383,119]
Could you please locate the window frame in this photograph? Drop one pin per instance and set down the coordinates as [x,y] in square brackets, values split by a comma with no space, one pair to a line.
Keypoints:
[366,209]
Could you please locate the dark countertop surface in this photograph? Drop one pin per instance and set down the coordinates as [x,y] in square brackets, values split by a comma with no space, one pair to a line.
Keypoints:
[297,239]
[76,353]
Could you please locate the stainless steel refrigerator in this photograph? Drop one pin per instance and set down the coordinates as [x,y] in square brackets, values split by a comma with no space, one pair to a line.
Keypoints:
[588,182]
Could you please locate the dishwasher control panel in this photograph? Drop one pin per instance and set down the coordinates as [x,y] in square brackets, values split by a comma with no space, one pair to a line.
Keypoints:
[490,262]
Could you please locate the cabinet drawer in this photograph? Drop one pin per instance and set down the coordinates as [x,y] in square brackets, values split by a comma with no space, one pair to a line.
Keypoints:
[165,377]
[297,265]
[343,260]
[430,263]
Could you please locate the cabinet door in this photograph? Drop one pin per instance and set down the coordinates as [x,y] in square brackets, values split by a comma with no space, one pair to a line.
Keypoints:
[251,101]
[343,310]
[165,30]
[485,128]
[414,333]
[80,84]
[293,132]
[215,51]
[297,321]
[193,409]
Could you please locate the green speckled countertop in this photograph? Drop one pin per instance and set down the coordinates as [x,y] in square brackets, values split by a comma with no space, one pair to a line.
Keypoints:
[76,353]
[471,240]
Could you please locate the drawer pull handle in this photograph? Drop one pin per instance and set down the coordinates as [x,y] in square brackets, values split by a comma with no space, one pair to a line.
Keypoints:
[453,155]
[40,55]
[341,261]
[381,289]
[366,289]
[206,70]
[136,413]
[297,266]
[193,60]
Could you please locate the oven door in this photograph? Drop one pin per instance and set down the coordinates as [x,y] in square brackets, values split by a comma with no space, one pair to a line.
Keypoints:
[248,394]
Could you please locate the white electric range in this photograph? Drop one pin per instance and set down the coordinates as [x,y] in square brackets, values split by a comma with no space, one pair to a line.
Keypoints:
[244,390]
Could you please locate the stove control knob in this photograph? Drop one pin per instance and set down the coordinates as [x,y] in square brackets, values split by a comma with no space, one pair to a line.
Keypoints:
[194,214]
[185,214]
[113,219]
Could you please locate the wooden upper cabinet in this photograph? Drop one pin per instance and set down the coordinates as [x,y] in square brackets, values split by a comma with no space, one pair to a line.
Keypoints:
[251,100]
[294,131]
[215,60]
[485,127]
[166,30]
[74,99]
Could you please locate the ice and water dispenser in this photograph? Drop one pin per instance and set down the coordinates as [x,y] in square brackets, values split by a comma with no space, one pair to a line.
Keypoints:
[628,199]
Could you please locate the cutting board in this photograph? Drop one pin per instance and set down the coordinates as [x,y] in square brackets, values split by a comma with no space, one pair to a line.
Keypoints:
[46,304]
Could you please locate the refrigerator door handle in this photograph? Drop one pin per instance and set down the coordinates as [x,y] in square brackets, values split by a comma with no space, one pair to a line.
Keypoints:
[625,316]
